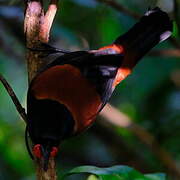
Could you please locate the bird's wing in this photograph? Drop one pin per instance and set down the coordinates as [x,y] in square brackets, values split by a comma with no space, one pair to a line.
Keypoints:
[107,57]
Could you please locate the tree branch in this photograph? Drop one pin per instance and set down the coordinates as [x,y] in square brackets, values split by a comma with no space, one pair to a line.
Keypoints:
[117,118]
[37,25]
[166,53]
[48,20]
[33,15]
[14,98]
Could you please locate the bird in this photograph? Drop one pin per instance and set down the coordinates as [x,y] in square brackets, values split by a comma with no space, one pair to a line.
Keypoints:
[65,96]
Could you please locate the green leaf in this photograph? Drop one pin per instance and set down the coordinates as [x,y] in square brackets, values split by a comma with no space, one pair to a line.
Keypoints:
[114,173]
[92,177]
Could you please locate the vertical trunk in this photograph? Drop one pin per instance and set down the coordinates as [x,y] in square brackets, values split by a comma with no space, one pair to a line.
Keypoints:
[37,25]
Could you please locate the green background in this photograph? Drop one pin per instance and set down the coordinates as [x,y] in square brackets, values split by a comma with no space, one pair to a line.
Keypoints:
[150,96]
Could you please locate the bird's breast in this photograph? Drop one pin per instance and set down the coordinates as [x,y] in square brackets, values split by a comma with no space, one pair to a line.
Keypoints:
[67,85]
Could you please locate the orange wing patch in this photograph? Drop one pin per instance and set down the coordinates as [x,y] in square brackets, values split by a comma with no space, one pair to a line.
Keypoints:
[122,73]
[125,69]
[67,85]
[116,47]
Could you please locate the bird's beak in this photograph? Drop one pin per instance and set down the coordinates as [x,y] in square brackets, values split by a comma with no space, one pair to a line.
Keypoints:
[46,155]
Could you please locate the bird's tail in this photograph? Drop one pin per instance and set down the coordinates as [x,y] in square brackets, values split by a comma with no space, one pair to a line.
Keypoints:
[154,27]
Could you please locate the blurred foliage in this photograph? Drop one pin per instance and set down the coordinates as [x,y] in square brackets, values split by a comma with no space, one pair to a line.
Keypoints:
[150,96]
[113,173]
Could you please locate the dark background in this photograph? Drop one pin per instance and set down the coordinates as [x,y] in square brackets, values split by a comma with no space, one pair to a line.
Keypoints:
[150,96]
